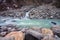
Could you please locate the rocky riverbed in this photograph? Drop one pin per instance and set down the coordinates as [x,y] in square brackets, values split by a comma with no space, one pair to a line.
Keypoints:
[33,12]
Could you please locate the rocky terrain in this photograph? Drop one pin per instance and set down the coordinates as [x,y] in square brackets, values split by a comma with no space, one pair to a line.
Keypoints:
[33,12]
[33,33]
[29,9]
[40,9]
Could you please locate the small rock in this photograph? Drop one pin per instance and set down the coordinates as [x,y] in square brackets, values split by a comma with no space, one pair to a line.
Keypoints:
[13,29]
[8,8]
[3,34]
[3,28]
[15,5]
[9,29]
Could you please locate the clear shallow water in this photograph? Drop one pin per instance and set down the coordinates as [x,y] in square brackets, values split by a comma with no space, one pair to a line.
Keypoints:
[29,22]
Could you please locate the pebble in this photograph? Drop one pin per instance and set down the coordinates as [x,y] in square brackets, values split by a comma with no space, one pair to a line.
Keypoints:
[2,34]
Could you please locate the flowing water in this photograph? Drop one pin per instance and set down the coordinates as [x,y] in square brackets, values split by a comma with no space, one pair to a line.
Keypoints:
[47,23]
[26,22]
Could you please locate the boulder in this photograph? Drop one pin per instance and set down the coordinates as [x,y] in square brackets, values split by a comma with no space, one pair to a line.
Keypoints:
[46,31]
[18,35]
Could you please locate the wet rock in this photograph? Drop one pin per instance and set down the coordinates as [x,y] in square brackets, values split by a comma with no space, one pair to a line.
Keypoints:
[35,34]
[3,28]
[11,26]
[56,30]
[29,37]
[9,29]
[2,34]
[56,37]
[53,23]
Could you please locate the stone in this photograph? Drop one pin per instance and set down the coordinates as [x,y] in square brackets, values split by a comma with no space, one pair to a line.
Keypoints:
[3,28]
[29,37]
[46,31]
[2,34]
[18,35]
[9,38]
[48,38]
[38,29]
[56,30]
